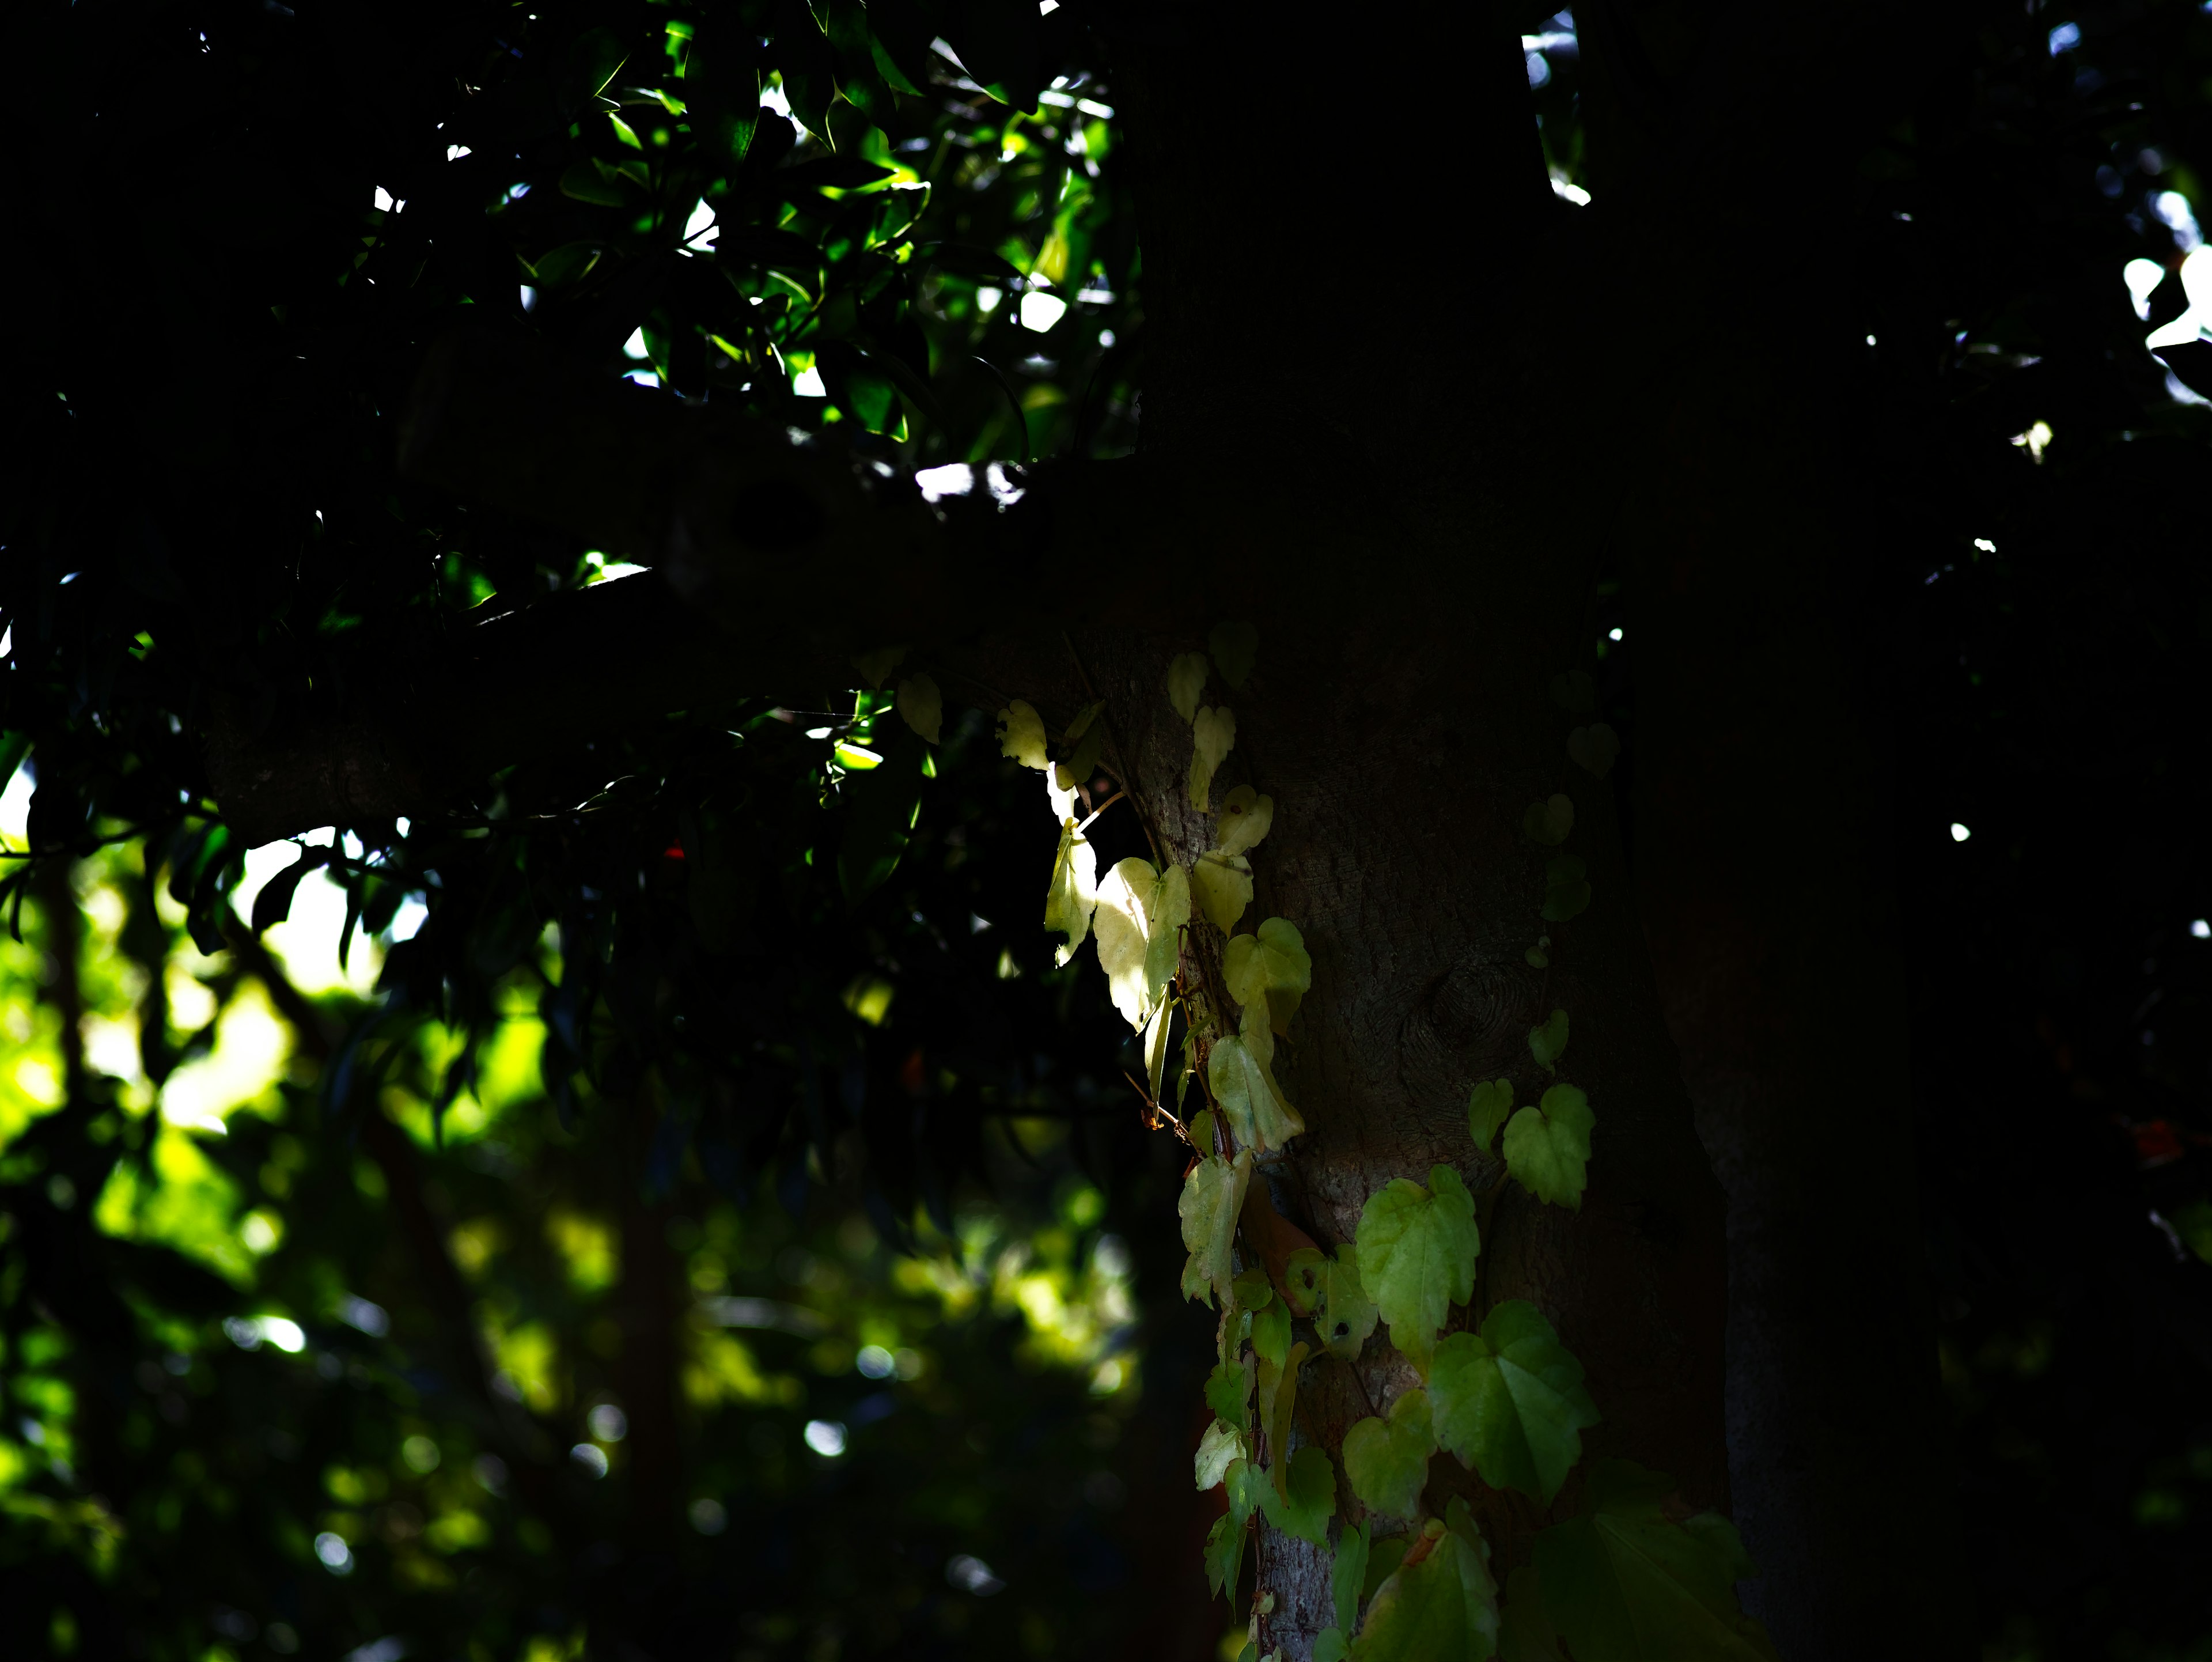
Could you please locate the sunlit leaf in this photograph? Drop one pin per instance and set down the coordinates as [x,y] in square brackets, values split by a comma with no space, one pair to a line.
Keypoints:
[1021,735]
[1246,817]
[1156,1047]
[1509,1401]
[1167,915]
[1222,887]
[1624,1583]
[1416,1248]
[1213,736]
[1387,1460]
[1269,969]
[1187,684]
[1221,1444]
[1212,1195]
[1548,1147]
[1073,890]
[1489,1106]
[1123,925]
[1241,1072]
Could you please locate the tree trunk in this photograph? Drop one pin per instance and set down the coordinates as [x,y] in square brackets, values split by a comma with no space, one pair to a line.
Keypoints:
[1415,601]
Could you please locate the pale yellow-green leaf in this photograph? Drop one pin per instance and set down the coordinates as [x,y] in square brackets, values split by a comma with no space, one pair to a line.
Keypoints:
[1327,1289]
[1187,684]
[1246,817]
[1221,1444]
[1417,1254]
[922,707]
[1235,650]
[1123,926]
[1074,890]
[1548,1147]
[874,666]
[1271,967]
[1549,822]
[1241,1071]
[1222,887]
[1212,1195]
[1156,1045]
[1168,912]
[1021,735]
[1213,736]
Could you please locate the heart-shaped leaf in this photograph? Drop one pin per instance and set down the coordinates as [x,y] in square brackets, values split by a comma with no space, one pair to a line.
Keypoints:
[1489,1106]
[921,706]
[1327,1289]
[1021,735]
[1308,1500]
[1594,749]
[1416,1248]
[1440,1602]
[1388,1460]
[1212,1195]
[1241,1071]
[1548,1147]
[1509,1402]
[1549,822]
[1270,968]
[1548,1042]
[1222,885]
[1187,684]
[1222,1443]
[1246,817]
[1228,1393]
[1213,736]
[1125,902]
[1074,889]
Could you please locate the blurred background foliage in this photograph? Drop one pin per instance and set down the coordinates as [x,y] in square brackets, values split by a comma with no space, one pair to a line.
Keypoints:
[674,1205]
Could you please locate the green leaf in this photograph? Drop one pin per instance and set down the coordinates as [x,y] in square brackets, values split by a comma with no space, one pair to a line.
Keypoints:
[1574,691]
[1488,1106]
[1213,736]
[1549,823]
[1347,1576]
[1440,1603]
[1566,888]
[1622,1583]
[1165,917]
[1274,1396]
[1327,1289]
[1548,1147]
[1416,1248]
[1235,648]
[1187,684]
[1074,890]
[1123,923]
[1228,1393]
[1240,1071]
[1225,1556]
[1509,1402]
[1330,1646]
[1270,968]
[1212,1195]
[1222,885]
[1525,1633]
[1021,735]
[1384,1558]
[922,707]
[1251,1289]
[1156,1045]
[1388,1460]
[1594,749]
[1271,1333]
[1548,1042]
[1246,817]
[1222,1443]
[1309,1500]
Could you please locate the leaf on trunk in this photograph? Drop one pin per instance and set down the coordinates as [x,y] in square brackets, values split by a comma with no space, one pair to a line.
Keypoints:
[1165,920]
[1271,1334]
[1594,749]
[1274,1397]
[1127,900]
[1247,1488]
[1156,1045]
[1548,1042]
[874,666]
[1525,1633]
[1236,650]
[1213,736]
[1441,1602]
[1347,1576]
[1308,1500]
[1222,885]
[1566,888]
[1021,735]
[921,706]
[1187,684]
[1330,1646]
[1549,823]
[1212,1194]
[1509,1402]
[1548,1147]
[1246,817]
[1416,1248]
[1222,1443]
[1388,1460]
[1240,1069]
[1489,1106]
[1228,1393]
[1074,891]
[1623,1580]
[1327,1289]
[1225,1556]
[1271,968]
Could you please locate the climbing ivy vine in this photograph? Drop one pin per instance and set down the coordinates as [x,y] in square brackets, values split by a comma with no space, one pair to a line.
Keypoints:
[1636,1576]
